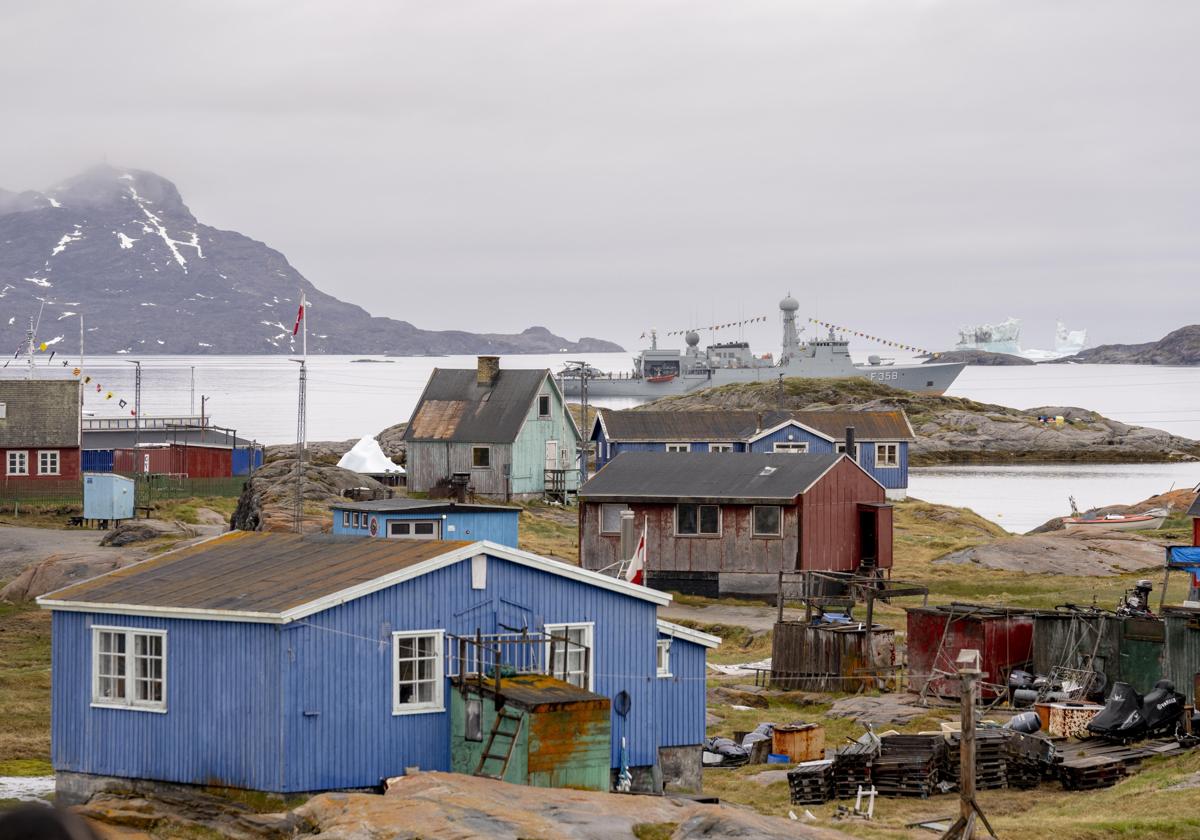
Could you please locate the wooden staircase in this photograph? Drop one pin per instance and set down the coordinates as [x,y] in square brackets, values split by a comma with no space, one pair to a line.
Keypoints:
[501,734]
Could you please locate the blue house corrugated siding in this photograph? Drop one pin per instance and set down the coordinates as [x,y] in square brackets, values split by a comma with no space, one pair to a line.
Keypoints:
[308,706]
[680,698]
[223,697]
[500,527]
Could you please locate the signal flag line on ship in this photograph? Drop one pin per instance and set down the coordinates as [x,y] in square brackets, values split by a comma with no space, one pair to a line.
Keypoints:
[898,345]
[761,319]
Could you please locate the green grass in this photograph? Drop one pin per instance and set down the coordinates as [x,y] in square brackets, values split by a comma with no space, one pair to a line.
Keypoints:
[654,831]
[25,767]
[25,687]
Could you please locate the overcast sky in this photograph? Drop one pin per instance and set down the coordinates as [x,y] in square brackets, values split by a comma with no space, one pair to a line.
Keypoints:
[902,167]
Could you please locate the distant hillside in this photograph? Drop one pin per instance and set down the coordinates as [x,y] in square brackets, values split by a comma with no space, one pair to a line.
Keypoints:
[953,429]
[1181,347]
[121,248]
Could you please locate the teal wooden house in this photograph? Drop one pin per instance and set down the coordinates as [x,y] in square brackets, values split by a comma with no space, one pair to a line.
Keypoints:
[503,434]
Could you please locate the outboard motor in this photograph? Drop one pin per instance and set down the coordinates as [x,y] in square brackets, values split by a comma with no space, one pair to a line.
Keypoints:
[1027,722]
[1121,718]
[1136,602]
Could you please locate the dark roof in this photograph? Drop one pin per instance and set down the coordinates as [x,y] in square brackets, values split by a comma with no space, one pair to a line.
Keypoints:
[1194,510]
[636,425]
[702,477]
[455,407]
[124,438]
[418,506]
[250,572]
[40,412]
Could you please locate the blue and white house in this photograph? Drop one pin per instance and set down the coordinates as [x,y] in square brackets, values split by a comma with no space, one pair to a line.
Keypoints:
[427,519]
[287,663]
[881,438]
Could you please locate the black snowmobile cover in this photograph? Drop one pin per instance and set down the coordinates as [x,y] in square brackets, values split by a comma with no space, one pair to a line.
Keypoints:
[1121,716]
[1162,707]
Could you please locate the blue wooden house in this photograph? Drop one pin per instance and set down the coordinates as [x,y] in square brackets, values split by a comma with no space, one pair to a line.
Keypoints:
[881,438]
[502,433]
[282,662]
[426,519]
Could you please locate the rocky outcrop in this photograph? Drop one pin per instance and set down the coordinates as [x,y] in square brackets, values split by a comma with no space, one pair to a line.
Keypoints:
[132,531]
[956,430]
[1074,553]
[268,498]
[1181,347]
[978,357]
[391,441]
[59,570]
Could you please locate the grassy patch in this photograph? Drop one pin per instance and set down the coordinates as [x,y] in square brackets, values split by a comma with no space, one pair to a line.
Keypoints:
[654,831]
[25,767]
[187,510]
[25,686]
[550,530]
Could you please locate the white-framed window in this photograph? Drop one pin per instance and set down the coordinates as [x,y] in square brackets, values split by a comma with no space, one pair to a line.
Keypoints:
[47,462]
[414,529]
[887,454]
[418,671]
[791,446]
[697,520]
[18,462]
[662,663]
[481,457]
[575,662]
[129,668]
[678,447]
[768,520]
[610,518]
[720,447]
[356,520]
[543,406]
[841,448]
[345,519]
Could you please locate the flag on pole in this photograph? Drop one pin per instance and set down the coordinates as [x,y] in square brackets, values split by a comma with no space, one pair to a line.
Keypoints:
[637,563]
[299,315]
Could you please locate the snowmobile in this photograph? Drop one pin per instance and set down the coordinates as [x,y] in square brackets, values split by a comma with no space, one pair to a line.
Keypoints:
[1128,716]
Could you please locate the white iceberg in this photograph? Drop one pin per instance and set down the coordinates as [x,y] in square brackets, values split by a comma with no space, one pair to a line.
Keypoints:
[367,458]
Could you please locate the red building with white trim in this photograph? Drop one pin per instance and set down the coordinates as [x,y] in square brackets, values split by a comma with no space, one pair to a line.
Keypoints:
[39,430]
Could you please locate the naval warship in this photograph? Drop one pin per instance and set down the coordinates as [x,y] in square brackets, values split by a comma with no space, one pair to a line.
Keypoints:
[660,372]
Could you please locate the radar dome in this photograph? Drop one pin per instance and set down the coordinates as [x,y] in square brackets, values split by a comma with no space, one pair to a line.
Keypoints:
[789,304]
[692,338]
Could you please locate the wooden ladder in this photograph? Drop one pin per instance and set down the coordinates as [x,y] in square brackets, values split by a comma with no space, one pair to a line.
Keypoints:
[498,732]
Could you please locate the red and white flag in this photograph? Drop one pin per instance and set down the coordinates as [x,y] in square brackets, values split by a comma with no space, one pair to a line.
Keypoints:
[637,563]
[299,314]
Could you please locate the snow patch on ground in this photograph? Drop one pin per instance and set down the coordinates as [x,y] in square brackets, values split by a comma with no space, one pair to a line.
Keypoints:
[39,281]
[160,341]
[53,202]
[147,304]
[66,315]
[126,241]
[156,226]
[202,344]
[67,239]
[26,788]
[54,340]
[10,320]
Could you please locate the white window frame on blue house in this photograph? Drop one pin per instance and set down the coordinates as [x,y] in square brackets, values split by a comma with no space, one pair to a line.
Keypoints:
[438,703]
[662,664]
[129,676]
[791,446]
[588,641]
[841,450]
[891,462]
[720,447]
[678,447]
[345,519]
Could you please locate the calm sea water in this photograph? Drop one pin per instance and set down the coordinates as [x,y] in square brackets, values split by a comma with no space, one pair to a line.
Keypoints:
[257,396]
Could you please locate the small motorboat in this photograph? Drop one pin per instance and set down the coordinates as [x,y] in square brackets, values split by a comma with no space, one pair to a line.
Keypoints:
[1148,521]
[661,378]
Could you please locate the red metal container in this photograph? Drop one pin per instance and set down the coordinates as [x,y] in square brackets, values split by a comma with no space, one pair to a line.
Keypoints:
[176,459]
[936,635]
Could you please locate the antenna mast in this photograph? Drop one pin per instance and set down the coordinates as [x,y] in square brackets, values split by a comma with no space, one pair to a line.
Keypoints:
[301,445]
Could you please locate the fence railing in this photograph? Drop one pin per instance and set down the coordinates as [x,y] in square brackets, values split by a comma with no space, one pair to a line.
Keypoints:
[149,489]
[487,656]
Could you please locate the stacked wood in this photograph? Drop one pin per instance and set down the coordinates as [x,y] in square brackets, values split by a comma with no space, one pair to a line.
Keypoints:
[1028,760]
[991,758]
[908,765]
[811,782]
[852,769]
[1091,773]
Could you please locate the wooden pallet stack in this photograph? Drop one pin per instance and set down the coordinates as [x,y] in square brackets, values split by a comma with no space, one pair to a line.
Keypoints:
[1028,760]
[991,758]
[908,765]
[1097,771]
[1095,763]
[811,782]
[852,769]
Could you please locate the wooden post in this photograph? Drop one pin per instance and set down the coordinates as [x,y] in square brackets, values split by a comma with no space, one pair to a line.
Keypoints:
[966,773]
[870,611]
[779,599]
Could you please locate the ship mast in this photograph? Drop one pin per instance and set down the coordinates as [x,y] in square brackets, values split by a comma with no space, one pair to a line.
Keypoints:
[791,337]
[29,372]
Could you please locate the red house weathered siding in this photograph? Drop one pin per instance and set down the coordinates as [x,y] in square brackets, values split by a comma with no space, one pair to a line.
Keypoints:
[829,520]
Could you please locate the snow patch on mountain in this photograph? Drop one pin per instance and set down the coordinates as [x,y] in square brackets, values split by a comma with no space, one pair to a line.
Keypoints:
[66,240]
[126,241]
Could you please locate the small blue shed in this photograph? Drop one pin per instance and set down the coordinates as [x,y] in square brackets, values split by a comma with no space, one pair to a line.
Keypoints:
[108,496]
[287,663]
[427,519]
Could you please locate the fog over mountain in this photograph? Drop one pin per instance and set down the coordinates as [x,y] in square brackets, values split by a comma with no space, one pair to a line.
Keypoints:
[121,248]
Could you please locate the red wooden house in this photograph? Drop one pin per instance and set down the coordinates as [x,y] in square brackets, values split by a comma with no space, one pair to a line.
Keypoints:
[728,523]
[39,430]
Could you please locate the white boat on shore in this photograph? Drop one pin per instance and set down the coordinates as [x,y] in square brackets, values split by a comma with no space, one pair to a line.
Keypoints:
[1148,521]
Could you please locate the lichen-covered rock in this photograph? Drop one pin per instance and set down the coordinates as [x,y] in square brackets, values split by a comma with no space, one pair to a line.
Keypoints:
[59,570]
[132,531]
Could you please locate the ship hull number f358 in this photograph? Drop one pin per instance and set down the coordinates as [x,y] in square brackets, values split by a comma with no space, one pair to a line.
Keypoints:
[884,374]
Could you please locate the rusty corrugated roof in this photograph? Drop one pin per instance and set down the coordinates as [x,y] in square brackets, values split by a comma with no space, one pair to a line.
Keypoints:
[251,572]
[455,407]
[723,426]
[539,691]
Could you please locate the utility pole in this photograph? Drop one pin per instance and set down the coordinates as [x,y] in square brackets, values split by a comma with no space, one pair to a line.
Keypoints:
[969,671]
[137,402]
[192,404]
[203,400]
[584,443]
[301,446]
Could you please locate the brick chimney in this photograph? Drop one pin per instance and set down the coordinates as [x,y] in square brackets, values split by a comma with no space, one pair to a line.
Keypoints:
[487,369]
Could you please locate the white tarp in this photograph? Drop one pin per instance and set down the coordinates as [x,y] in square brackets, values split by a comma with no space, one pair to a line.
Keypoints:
[367,458]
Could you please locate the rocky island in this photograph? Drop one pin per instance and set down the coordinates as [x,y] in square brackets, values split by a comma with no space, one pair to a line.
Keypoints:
[1181,347]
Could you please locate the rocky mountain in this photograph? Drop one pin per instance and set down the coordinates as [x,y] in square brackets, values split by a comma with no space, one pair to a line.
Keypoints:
[121,248]
[1181,347]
